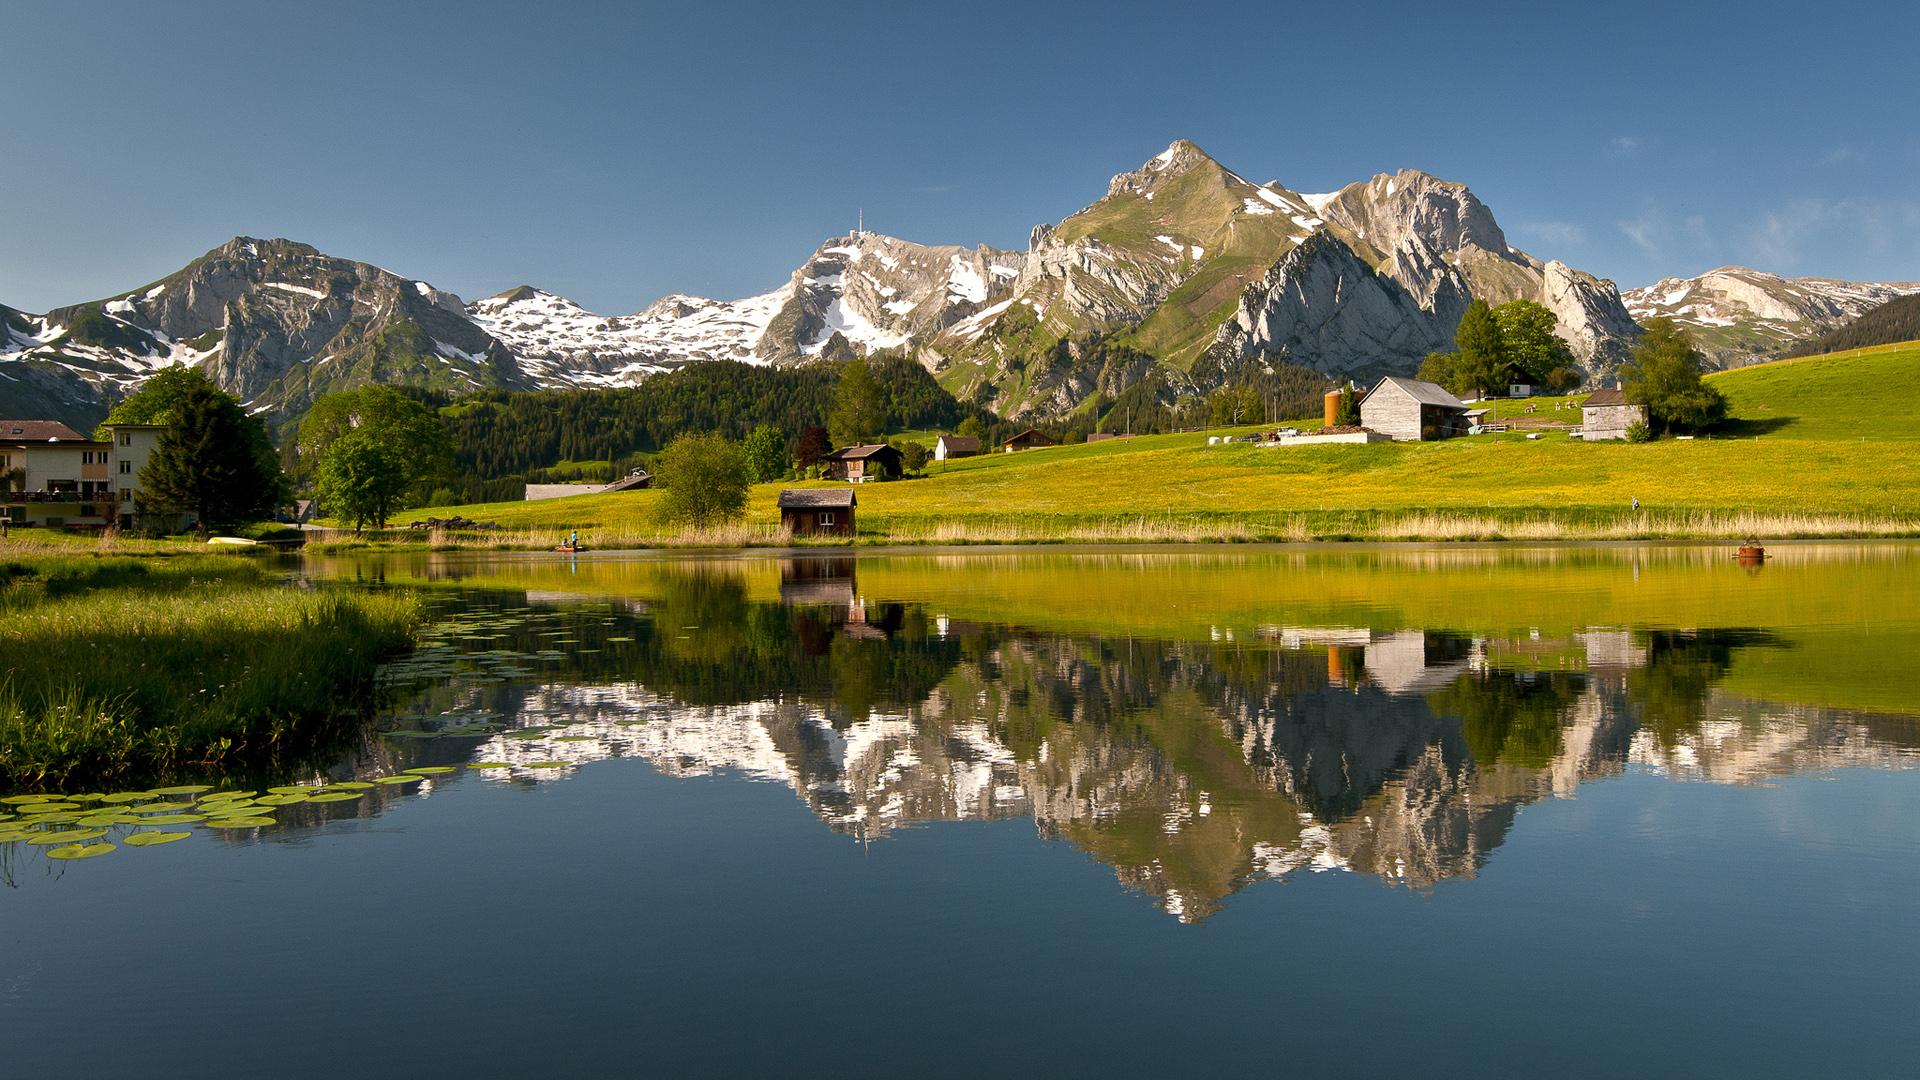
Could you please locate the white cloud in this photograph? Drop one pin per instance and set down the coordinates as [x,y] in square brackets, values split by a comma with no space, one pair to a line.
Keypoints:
[1659,236]
[1562,233]
[1625,145]
[1780,238]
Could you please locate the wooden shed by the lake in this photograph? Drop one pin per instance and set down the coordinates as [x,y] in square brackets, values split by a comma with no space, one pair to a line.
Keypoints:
[817,511]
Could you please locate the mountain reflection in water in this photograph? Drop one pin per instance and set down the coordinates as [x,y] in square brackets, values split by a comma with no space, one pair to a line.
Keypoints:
[1190,765]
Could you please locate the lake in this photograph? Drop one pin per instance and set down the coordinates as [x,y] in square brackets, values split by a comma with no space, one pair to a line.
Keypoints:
[1465,810]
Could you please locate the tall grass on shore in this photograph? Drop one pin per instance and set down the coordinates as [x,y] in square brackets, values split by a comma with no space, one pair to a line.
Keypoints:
[113,670]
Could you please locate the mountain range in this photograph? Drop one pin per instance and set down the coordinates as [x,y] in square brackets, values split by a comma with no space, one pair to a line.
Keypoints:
[1183,272]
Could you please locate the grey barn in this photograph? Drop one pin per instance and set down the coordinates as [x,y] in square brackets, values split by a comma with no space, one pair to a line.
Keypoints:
[1606,414]
[1410,410]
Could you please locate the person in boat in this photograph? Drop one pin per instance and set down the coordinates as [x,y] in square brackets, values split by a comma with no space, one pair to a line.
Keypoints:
[573,541]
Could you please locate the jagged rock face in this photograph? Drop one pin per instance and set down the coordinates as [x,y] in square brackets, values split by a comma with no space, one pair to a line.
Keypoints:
[1412,207]
[1442,244]
[1593,320]
[877,292]
[1737,315]
[1325,307]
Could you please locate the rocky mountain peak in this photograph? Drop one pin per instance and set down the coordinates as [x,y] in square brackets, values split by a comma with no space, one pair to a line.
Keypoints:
[1178,159]
[1393,208]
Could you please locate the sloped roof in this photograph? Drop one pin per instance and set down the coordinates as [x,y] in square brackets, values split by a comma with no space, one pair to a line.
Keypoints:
[1608,396]
[39,431]
[639,478]
[1420,390]
[856,453]
[816,499]
[959,442]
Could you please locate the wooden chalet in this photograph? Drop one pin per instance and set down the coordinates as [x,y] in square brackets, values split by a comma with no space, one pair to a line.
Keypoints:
[859,464]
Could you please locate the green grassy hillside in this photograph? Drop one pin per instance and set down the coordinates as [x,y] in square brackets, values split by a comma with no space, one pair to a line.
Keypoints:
[1821,445]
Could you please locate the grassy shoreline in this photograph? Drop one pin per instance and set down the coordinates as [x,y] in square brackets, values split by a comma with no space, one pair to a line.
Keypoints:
[1495,525]
[123,669]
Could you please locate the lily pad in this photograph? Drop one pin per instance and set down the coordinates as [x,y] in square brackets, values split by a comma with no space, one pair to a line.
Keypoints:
[183,789]
[66,836]
[173,819]
[161,808]
[80,851]
[349,785]
[431,770]
[239,822]
[336,796]
[48,807]
[402,778]
[220,796]
[293,789]
[120,798]
[283,800]
[548,764]
[490,765]
[154,839]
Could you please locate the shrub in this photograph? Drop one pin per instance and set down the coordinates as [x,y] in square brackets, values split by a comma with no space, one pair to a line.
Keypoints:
[1639,432]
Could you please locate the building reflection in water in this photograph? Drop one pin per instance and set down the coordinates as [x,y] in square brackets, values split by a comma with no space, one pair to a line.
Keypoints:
[1190,767]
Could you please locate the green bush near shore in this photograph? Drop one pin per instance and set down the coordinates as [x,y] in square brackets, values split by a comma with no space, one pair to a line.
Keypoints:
[121,669]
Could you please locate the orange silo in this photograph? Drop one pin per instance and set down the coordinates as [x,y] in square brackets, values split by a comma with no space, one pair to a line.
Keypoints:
[1333,407]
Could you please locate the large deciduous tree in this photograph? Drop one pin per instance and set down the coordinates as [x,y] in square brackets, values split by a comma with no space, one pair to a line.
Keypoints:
[372,451]
[212,460]
[1664,375]
[766,451]
[363,479]
[706,479]
[1533,352]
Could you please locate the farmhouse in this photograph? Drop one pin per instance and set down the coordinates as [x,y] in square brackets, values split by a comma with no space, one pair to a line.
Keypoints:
[1606,414]
[51,474]
[859,464]
[948,447]
[817,512]
[1029,439]
[1410,410]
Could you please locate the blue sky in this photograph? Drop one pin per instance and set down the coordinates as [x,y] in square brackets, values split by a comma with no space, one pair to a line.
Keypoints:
[618,152]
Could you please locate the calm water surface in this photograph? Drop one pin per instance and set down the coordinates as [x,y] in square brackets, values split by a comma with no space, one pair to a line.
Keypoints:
[1353,811]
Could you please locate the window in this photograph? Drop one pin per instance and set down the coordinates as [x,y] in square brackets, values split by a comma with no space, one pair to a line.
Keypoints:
[126,438]
[826,520]
[126,468]
[126,494]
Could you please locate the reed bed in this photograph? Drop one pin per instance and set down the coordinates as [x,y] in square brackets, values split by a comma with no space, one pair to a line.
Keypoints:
[113,670]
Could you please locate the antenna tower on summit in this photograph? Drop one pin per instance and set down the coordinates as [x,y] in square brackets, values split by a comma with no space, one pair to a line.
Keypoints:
[859,221]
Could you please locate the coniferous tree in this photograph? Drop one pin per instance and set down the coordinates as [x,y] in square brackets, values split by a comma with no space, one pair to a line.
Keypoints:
[208,462]
[1481,365]
[859,405]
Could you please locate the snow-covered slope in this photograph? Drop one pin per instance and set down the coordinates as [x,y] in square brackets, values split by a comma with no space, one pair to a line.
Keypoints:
[1739,315]
[560,343]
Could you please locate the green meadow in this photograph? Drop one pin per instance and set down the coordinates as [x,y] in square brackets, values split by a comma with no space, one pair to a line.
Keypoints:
[1823,446]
